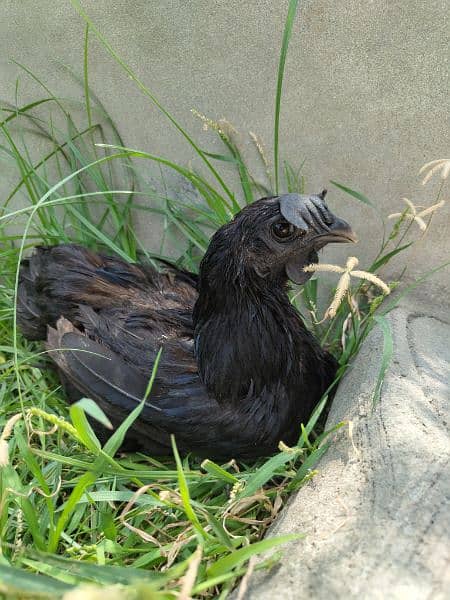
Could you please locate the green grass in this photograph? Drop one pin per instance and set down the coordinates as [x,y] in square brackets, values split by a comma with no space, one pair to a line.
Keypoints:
[75,513]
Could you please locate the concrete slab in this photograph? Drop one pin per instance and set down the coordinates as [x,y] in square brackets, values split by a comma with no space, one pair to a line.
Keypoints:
[377,517]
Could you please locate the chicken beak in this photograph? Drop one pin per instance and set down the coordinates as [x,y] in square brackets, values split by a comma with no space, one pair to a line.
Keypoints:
[338,232]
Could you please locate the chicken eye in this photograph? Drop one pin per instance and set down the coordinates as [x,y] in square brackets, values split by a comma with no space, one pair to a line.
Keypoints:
[283,230]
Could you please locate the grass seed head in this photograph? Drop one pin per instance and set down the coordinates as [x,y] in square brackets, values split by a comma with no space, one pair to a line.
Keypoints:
[343,285]
[441,164]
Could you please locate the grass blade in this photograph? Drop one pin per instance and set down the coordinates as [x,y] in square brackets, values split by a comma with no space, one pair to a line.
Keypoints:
[387,257]
[225,564]
[150,95]
[388,349]
[83,483]
[267,471]
[17,581]
[214,469]
[307,466]
[292,11]
[116,440]
[361,197]
[391,305]
[184,492]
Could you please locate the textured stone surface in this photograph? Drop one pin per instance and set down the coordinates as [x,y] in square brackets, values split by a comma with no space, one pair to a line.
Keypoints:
[377,517]
[365,96]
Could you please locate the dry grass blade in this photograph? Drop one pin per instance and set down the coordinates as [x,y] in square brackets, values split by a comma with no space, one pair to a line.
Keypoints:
[142,534]
[7,431]
[188,579]
[245,580]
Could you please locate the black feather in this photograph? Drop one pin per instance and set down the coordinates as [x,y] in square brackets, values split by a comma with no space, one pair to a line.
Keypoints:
[239,371]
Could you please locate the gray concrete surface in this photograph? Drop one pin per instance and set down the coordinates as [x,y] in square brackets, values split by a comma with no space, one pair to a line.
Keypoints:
[366,89]
[377,516]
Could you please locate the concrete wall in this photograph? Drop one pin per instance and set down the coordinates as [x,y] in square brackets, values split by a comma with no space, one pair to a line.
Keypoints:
[366,87]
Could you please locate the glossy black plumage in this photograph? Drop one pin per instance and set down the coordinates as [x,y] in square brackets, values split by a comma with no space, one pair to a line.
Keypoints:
[239,371]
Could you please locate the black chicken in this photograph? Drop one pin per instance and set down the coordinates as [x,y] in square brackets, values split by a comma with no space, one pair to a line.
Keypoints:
[239,371]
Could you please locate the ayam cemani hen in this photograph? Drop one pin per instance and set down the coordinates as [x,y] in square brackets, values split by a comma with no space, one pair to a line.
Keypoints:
[239,371]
